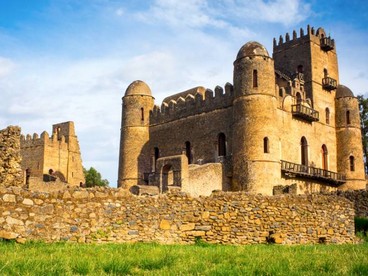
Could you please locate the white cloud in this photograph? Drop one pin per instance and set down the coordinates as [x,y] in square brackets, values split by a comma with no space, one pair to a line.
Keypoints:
[6,66]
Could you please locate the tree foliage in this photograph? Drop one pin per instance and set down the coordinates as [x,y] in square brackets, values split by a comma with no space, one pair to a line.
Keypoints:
[363,109]
[93,178]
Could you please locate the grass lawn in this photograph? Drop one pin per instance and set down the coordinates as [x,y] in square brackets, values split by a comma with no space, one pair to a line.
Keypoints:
[201,259]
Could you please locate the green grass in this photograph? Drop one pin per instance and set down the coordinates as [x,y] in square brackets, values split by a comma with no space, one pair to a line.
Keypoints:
[153,259]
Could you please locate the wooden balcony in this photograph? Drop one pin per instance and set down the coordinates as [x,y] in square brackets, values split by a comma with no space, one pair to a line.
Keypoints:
[305,112]
[303,171]
[327,44]
[329,83]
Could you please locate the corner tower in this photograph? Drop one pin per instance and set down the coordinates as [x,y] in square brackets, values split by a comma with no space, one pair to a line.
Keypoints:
[256,146]
[349,139]
[133,160]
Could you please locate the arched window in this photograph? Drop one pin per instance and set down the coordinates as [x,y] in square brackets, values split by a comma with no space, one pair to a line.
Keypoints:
[221,145]
[298,98]
[324,157]
[327,116]
[352,163]
[255,78]
[325,73]
[142,113]
[266,146]
[348,117]
[304,151]
[188,151]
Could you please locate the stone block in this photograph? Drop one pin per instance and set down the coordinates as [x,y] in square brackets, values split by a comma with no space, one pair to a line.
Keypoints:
[165,224]
[28,201]
[9,198]
[8,235]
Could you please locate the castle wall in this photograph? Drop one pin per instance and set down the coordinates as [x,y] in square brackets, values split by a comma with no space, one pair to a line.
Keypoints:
[200,130]
[10,170]
[114,215]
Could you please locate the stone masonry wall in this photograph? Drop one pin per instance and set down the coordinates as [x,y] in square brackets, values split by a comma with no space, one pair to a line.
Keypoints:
[360,200]
[10,170]
[114,215]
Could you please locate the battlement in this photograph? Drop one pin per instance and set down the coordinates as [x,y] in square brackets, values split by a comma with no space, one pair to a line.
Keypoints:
[191,102]
[318,36]
[44,139]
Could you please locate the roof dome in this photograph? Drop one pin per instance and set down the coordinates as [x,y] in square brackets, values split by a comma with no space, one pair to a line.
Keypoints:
[138,88]
[252,48]
[343,91]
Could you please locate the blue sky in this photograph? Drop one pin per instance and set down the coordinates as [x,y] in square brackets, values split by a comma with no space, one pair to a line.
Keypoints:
[72,60]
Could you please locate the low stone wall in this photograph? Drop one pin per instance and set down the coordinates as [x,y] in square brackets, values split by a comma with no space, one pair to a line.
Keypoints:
[360,200]
[113,215]
[11,173]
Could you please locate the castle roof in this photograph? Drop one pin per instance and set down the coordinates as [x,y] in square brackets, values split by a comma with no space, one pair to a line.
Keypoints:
[193,91]
[343,91]
[138,87]
[252,48]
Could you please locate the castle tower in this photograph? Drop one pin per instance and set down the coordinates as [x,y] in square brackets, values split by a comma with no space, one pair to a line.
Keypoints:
[349,139]
[314,54]
[134,157]
[256,145]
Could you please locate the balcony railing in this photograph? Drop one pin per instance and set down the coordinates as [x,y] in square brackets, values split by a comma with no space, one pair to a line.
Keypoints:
[327,44]
[305,112]
[329,83]
[312,172]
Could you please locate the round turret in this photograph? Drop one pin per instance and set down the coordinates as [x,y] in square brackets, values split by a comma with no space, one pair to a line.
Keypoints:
[137,104]
[254,71]
[349,139]
[256,158]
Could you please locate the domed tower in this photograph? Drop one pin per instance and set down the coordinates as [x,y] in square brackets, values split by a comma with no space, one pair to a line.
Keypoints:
[349,139]
[133,160]
[256,146]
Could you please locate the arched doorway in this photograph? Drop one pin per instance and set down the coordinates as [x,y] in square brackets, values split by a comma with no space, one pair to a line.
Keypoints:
[221,144]
[324,157]
[167,177]
[304,153]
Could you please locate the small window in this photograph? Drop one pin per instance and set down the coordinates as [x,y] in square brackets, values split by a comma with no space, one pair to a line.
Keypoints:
[324,157]
[348,117]
[352,163]
[255,78]
[327,116]
[281,94]
[142,114]
[157,153]
[266,148]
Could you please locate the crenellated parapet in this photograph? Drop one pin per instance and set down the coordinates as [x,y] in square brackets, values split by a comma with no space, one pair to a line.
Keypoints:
[35,140]
[317,36]
[191,102]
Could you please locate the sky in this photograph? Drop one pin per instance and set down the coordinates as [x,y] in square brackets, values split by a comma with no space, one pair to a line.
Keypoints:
[72,60]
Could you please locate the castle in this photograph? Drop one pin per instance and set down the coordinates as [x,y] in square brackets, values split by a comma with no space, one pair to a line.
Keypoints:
[286,124]
[48,158]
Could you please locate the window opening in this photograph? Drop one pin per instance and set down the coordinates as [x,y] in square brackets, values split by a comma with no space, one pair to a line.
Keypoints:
[255,78]
[352,163]
[304,151]
[266,148]
[324,157]
[327,116]
[142,114]
[348,117]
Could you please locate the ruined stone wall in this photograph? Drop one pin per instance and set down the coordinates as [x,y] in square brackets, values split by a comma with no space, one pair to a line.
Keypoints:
[10,170]
[113,215]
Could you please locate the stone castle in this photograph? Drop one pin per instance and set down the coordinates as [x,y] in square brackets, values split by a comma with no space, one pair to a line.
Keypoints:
[285,125]
[52,158]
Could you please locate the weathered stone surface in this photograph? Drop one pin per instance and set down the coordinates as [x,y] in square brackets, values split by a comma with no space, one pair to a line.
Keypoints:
[28,201]
[8,235]
[227,218]
[9,198]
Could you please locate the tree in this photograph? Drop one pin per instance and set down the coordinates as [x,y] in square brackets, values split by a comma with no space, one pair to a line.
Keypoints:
[93,178]
[363,110]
